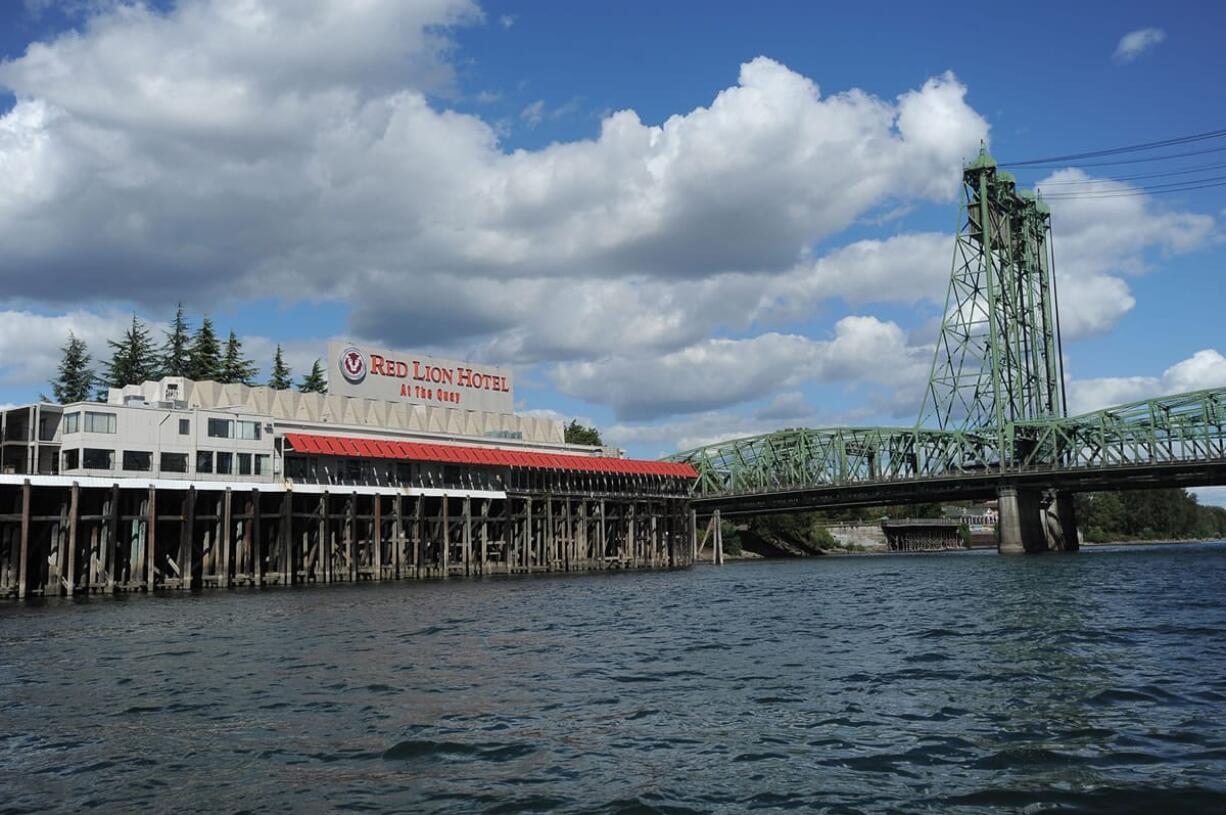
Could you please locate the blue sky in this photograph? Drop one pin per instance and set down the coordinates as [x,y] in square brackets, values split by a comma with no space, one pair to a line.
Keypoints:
[469,179]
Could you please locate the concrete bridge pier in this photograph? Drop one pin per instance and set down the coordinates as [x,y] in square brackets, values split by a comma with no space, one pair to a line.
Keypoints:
[1060,517]
[1030,524]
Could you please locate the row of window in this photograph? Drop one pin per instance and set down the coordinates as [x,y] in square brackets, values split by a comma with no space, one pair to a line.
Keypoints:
[141,461]
[95,422]
[231,429]
[98,422]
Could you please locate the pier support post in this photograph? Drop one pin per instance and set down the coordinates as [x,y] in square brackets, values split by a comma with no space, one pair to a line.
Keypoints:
[23,557]
[1061,523]
[1021,526]
[74,523]
[151,536]
[377,536]
[227,536]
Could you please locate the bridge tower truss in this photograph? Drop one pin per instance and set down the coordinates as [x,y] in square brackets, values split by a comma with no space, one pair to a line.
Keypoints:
[997,359]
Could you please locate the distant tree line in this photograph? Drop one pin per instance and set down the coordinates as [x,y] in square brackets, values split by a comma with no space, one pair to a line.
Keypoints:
[1170,514]
[199,355]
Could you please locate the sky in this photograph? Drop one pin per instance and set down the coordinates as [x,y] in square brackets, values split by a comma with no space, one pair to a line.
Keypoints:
[681,222]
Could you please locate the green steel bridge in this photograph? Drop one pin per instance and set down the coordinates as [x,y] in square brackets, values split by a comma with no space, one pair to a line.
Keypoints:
[994,422]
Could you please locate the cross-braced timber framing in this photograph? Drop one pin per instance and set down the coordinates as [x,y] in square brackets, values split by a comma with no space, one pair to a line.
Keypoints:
[61,538]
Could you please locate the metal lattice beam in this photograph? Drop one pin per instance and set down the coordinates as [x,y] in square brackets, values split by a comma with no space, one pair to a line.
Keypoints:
[994,406]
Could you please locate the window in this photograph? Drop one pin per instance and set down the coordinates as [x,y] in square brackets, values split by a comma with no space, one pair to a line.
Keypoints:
[174,462]
[72,423]
[98,459]
[263,465]
[244,462]
[221,428]
[356,470]
[72,459]
[404,472]
[295,467]
[137,460]
[225,463]
[185,427]
[99,422]
[204,461]
[249,431]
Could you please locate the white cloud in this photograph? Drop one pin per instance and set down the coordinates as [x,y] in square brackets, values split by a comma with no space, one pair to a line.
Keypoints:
[1135,43]
[507,20]
[1102,233]
[225,149]
[533,114]
[721,372]
[231,147]
[1204,369]
[786,406]
[31,343]
[1210,496]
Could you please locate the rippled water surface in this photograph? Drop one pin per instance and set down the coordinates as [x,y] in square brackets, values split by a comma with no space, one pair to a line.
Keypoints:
[922,683]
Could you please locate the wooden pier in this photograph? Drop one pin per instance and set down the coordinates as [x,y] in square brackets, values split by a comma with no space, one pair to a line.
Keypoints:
[68,538]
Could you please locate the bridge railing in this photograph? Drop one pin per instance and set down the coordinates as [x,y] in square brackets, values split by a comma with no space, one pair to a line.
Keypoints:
[1184,428]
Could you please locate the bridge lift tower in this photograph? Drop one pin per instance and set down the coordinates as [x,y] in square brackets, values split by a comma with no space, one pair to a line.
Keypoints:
[998,360]
[994,419]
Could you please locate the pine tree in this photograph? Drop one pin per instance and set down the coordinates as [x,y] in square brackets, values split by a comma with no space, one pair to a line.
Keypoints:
[575,433]
[314,381]
[282,376]
[205,353]
[176,359]
[235,368]
[133,359]
[75,379]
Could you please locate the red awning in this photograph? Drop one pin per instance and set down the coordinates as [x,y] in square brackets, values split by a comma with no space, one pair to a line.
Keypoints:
[487,456]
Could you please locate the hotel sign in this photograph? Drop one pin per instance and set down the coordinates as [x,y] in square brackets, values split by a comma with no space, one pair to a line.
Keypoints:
[395,376]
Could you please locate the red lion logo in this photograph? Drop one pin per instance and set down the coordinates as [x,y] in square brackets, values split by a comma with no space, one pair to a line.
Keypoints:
[353,365]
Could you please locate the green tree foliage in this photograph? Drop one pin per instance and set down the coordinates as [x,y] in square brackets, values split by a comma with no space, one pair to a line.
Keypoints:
[1168,514]
[282,378]
[74,381]
[793,535]
[133,359]
[205,353]
[314,381]
[175,359]
[578,434]
[236,369]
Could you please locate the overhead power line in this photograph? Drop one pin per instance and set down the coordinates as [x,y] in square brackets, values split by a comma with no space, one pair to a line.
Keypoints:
[1132,148]
[1158,189]
[1081,182]
[1122,161]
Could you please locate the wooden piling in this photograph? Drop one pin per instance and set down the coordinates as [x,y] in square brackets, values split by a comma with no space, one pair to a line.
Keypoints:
[23,557]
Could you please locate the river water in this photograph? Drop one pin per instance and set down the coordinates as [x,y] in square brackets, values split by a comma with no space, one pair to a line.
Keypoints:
[961,682]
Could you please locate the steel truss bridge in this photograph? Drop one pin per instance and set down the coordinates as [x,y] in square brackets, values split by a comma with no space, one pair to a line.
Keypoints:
[994,422]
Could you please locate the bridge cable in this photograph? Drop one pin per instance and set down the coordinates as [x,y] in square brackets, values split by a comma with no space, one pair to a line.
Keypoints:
[1113,151]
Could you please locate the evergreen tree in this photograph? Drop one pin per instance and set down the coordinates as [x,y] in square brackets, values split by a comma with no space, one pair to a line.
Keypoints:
[314,381]
[576,433]
[282,378]
[133,359]
[235,368]
[205,353]
[75,379]
[176,353]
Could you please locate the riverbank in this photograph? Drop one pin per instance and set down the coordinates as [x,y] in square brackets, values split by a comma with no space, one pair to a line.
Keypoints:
[1150,542]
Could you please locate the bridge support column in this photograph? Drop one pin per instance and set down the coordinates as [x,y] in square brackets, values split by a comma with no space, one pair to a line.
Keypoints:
[1061,523]
[1021,522]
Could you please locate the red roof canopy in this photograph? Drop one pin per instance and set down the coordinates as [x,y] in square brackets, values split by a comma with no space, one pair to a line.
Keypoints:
[454,453]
